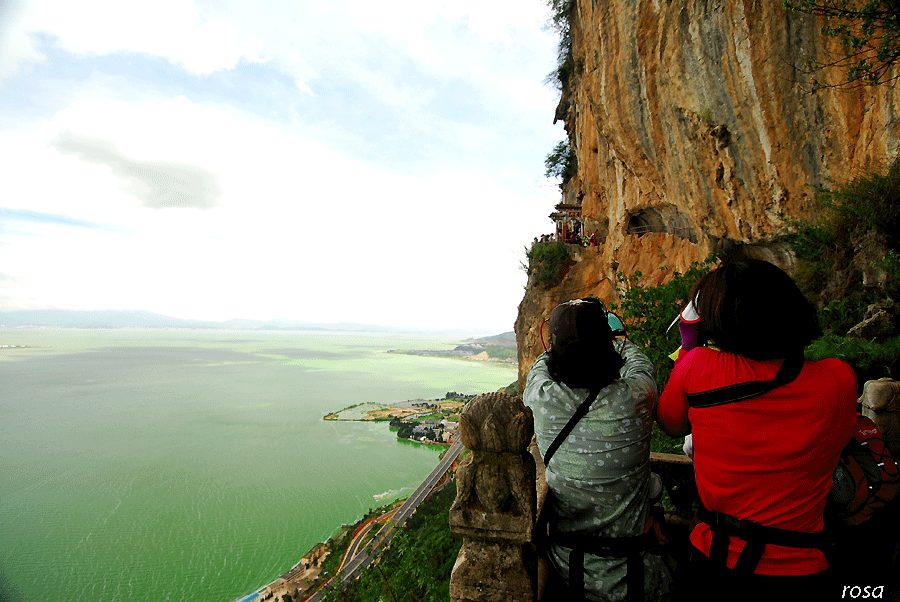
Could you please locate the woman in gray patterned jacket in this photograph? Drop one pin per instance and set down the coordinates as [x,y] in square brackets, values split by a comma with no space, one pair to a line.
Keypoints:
[600,480]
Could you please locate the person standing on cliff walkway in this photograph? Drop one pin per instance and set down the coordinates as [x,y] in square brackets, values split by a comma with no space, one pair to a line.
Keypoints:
[768,429]
[599,479]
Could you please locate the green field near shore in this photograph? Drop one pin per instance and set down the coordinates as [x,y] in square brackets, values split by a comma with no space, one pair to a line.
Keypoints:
[358,412]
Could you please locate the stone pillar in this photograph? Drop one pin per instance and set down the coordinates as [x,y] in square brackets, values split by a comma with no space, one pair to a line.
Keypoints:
[494,511]
[881,403]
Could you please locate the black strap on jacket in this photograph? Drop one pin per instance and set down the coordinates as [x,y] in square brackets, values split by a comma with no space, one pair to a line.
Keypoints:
[629,548]
[788,372]
[540,529]
[724,526]
[756,535]
[578,415]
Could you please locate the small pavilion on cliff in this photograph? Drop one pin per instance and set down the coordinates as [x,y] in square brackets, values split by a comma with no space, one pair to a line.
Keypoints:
[568,222]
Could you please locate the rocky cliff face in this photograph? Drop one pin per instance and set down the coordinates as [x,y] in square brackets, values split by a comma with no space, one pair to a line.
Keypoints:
[693,123]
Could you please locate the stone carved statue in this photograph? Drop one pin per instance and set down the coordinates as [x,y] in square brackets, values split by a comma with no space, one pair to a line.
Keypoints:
[494,509]
[881,403]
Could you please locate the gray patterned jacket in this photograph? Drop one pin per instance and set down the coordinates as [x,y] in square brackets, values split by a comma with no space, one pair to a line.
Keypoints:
[600,476]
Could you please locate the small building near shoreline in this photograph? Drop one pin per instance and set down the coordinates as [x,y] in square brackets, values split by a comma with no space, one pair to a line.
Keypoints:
[315,556]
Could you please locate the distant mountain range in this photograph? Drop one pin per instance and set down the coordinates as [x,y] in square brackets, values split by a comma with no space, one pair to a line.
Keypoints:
[64,318]
[506,339]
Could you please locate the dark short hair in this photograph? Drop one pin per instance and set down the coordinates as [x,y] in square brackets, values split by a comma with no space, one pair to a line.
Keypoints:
[581,353]
[752,308]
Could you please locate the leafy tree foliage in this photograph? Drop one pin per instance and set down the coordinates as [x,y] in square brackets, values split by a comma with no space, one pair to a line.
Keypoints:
[869,30]
[870,360]
[559,22]
[868,204]
[406,429]
[561,163]
[648,313]
[546,263]
[417,564]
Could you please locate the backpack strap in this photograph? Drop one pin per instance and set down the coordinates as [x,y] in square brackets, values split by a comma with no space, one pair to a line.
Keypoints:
[578,415]
[539,532]
[630,548]
[790,369]
[724,526]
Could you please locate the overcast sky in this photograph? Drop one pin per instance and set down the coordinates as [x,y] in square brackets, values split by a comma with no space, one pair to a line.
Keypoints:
[321,160]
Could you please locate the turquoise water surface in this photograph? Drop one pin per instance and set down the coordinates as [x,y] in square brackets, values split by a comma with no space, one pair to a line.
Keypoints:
[155,465]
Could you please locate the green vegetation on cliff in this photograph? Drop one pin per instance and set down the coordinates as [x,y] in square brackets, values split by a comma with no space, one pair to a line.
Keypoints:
[561,12]
[648,312]
[867,207]
[417,564]
[561,163]
[869,31]
[546,263]
[848,258]
[860,218]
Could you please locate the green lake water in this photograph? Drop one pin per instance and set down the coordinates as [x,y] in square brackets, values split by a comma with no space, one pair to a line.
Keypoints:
[154,465]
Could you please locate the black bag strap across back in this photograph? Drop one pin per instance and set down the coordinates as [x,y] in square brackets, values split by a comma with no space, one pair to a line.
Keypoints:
[578,415]
[724,525]
[788,372]
[628,547]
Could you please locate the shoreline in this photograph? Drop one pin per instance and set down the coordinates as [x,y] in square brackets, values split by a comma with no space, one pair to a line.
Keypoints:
[422,421]
[465,356]
[417,442]
[302,579]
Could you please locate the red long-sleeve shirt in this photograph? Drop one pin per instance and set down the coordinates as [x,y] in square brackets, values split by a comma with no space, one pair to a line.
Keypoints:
[767,459]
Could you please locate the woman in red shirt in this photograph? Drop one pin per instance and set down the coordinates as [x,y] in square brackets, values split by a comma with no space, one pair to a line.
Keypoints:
[763,465]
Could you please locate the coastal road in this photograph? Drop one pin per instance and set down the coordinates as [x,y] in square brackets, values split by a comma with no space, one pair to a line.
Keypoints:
[352,567]
[353,548]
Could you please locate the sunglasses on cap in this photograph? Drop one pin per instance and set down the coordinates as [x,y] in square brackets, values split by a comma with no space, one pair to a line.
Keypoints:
[616,326]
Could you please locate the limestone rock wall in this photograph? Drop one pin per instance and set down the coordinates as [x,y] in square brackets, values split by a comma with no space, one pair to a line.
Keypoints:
[692,122]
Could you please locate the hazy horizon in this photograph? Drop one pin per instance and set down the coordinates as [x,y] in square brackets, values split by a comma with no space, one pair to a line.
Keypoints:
[71,318]
[376,163]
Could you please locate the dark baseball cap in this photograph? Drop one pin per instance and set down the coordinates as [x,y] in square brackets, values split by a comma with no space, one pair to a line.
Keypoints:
[578,324]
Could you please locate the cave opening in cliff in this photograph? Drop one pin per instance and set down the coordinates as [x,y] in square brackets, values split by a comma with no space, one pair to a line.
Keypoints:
[665,220]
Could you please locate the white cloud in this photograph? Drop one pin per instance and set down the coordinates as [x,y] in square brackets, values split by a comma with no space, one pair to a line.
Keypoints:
[300,231]
[304,87]
[158,184]
[490,19]
[382,165]
[16,46]
[173,29]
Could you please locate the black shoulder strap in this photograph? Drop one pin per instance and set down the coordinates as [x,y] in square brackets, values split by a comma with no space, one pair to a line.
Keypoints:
[789,370]
[578,415]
